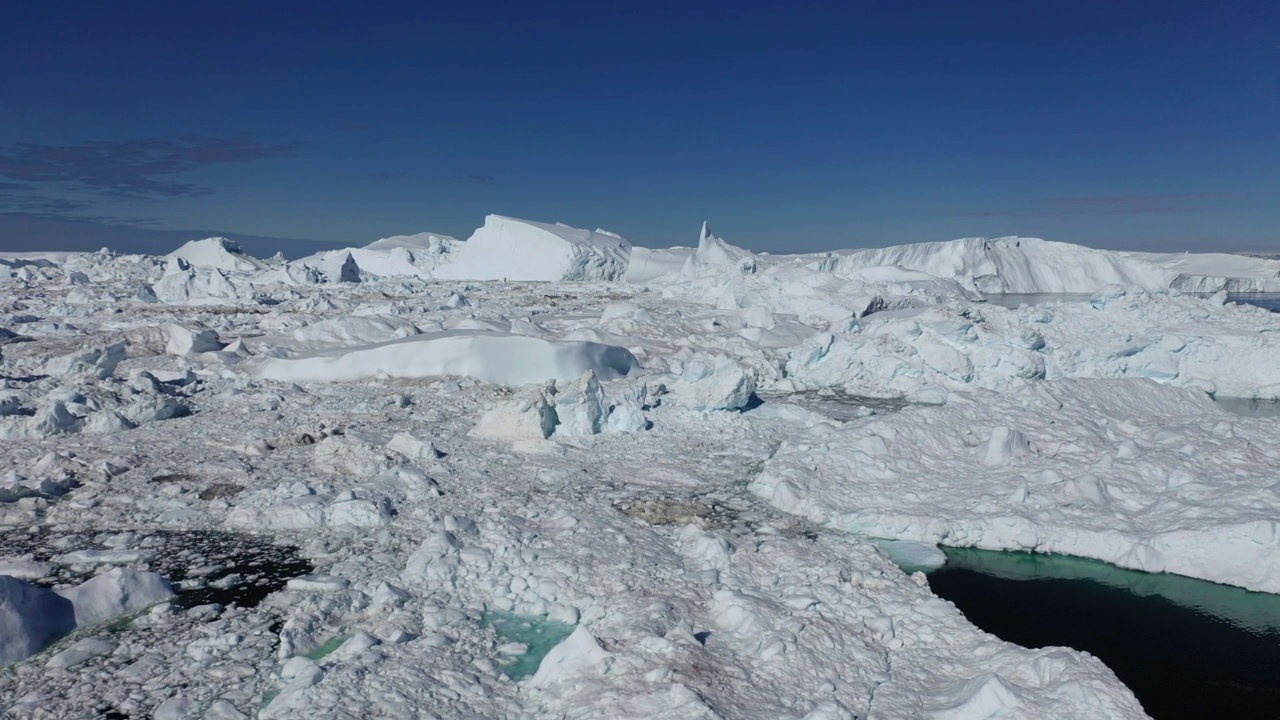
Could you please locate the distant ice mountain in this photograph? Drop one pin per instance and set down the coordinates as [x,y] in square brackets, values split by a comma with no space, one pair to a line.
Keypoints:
[21,232]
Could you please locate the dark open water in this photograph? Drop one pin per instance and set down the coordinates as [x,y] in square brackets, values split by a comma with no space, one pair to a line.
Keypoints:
[1187,648]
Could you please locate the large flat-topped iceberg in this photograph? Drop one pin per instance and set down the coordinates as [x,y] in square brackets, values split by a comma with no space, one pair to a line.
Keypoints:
[34,259]
[495,357]
[217,253]
[1211,272]
[1008,265]
[510,249]
[1030,265]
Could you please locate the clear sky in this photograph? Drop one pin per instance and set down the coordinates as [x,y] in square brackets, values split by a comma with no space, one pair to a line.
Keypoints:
[791,126]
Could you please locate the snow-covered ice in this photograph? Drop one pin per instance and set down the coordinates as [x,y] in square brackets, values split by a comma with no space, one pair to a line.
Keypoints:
[511,249]
[1138,474]
[217,252]
[496,357]
[31,616]
[1031,265]
[657,451]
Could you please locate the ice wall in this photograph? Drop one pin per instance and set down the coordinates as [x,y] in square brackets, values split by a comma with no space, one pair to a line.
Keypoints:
[1030,265]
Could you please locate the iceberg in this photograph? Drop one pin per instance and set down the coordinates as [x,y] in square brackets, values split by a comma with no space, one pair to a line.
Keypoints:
[495,357]
[217,253]
[510,249]
[1031,265]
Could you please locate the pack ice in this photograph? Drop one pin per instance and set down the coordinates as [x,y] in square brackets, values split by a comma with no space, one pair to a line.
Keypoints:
[649,462]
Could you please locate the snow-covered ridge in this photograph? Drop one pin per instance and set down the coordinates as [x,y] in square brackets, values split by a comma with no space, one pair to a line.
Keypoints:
[1175,339]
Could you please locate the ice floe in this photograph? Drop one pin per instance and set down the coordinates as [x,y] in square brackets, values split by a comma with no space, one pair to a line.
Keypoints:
[1138,474]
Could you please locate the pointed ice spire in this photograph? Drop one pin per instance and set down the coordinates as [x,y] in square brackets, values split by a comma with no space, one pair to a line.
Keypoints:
[350,270]
[715,257]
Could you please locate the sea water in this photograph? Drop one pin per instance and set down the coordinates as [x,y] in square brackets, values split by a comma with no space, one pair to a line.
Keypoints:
[1187,648]
[538,633]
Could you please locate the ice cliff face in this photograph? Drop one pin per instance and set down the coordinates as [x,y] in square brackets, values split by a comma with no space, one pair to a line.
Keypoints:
[1008,265]
[1030,265]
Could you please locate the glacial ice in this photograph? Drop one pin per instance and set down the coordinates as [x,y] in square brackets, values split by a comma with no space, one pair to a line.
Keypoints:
[1138,474]
[496,357]
[32,616]
[511,249]
[1031,265]
[653,447]
[213,253]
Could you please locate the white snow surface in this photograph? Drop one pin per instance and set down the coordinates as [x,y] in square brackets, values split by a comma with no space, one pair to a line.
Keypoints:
[400,256]
[1180,340]
[584,443]
[433,243]
[496,357]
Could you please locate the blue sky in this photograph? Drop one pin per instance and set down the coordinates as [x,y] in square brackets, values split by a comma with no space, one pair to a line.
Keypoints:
[790,126]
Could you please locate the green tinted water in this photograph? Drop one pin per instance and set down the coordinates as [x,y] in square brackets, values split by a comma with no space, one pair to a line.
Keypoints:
[537,633]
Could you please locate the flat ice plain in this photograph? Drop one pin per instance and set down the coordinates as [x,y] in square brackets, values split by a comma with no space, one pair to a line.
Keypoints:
[547,423]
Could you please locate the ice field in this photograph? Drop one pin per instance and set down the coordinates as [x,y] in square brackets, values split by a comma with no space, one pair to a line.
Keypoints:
[544,473]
